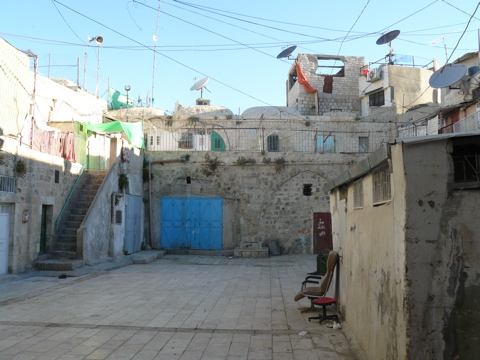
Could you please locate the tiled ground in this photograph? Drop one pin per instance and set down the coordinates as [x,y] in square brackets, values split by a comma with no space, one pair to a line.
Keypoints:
[179,307]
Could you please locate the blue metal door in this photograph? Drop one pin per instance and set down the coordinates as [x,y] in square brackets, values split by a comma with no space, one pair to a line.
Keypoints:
[192,223]
[133,224]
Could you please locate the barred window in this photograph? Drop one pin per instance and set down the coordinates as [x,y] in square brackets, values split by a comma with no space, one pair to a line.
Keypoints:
[466,163]
[358,194]
[363,144]
[326,144]
[158,140]
[381,185]
[273,143]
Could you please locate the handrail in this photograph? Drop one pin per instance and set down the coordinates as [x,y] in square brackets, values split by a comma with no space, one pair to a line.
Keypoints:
[69,196]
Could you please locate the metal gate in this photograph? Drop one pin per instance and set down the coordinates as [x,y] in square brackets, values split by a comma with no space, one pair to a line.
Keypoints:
[4,237]
[322,232]
[133,224]
[192,223]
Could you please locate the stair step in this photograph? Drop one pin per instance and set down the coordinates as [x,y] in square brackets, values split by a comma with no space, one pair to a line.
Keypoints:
[69,232]
[66,246]
[74,217]
[72,224]
[59,265]
[59,255]
[79,211]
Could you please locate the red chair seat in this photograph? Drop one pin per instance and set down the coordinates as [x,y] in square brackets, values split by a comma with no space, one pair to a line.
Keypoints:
[324,301]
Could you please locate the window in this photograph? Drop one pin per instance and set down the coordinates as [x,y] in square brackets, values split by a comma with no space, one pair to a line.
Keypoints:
[188,179]
[158,140]
[333,67]
[358,194]
[377,99]
[307,189]
[7,183]
[273,143]
[186,141]
[363,144]
[326,144]
[151,140]
[381,185]
[466,163]
[57,176]
[335,110]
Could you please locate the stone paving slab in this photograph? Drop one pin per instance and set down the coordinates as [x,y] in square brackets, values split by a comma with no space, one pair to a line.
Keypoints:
[177,307]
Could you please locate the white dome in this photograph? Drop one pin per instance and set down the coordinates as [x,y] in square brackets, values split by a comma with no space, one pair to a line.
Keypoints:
[271,112]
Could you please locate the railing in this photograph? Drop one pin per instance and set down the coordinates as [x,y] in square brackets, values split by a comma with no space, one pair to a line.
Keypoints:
[264,139]
[68,199]
[469,123]
[7,183]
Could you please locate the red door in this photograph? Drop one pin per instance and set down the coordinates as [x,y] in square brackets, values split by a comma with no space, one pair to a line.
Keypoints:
[322,232]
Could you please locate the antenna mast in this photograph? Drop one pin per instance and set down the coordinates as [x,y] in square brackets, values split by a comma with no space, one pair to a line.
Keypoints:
[155,37]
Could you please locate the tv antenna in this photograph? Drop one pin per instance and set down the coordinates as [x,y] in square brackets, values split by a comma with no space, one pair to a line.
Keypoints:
[199,85]
[447,75]
[435,42]
[287,52]
[388,38]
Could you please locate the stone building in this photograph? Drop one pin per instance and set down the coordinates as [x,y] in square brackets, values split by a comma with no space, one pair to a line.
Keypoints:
[334,79]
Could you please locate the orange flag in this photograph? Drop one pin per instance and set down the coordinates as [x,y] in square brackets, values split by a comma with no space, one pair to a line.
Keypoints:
[302,79]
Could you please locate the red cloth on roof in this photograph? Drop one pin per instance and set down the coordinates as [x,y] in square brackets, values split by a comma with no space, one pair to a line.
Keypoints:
[302,79]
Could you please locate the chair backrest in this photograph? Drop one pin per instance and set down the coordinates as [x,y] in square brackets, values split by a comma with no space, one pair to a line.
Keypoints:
[331,263]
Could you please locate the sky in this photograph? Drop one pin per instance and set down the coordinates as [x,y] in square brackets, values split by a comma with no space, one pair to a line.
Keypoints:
[160,49]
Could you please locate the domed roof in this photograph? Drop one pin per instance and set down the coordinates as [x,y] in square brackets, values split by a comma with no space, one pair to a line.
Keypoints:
[271,112]
[202,112]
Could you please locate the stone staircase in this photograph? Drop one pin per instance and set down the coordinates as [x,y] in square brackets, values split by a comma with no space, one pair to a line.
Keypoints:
[63,255]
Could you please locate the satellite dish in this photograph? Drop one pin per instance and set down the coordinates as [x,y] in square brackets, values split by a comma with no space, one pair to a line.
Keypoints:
[199,85]
[287,52]
[465,84]
[447,75]
[388,37]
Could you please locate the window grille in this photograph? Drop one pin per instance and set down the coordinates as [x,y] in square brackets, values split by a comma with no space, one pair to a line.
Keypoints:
[466,163]
[273,143]
[358,194]
[363,144]
[326,144]
[7,183]
[381,185]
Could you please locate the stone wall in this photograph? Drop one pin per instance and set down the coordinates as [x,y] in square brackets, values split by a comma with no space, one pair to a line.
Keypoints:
[262,201]
[344,95]
[35,189]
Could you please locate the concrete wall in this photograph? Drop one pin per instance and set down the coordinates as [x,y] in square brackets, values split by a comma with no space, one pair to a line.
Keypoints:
[344,94]
[404,87]
[99,238]
[37,188]
[442,247]
[259,203]
[371,284]
[409,282]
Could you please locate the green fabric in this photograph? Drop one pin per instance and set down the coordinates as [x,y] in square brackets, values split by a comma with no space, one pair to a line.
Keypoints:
[116,100]
[217,142]
[134,131]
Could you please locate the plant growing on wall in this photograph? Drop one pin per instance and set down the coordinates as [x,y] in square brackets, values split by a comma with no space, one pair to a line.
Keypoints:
[21,168]
[279,164]
[242,161]
[146,172]
[123,181]
[193,119]
[267,160]
[210,165]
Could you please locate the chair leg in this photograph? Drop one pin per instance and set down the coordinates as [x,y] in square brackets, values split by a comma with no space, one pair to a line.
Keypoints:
[324,316]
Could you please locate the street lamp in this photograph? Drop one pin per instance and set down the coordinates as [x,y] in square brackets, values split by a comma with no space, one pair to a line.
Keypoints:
[98,40]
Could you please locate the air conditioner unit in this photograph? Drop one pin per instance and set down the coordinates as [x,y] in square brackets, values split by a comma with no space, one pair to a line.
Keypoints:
[375,74]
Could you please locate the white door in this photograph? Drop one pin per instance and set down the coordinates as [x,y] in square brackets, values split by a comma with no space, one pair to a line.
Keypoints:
[4,235]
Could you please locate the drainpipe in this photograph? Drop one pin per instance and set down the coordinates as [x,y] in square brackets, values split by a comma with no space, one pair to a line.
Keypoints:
[183,159]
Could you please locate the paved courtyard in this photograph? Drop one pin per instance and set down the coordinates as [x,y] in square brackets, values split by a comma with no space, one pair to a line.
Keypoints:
[184,307]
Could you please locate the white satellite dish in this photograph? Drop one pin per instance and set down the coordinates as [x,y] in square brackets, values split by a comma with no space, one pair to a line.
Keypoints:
[199,85]
[447,75]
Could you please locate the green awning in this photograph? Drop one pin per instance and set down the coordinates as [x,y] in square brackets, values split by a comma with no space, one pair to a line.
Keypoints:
[134,131]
